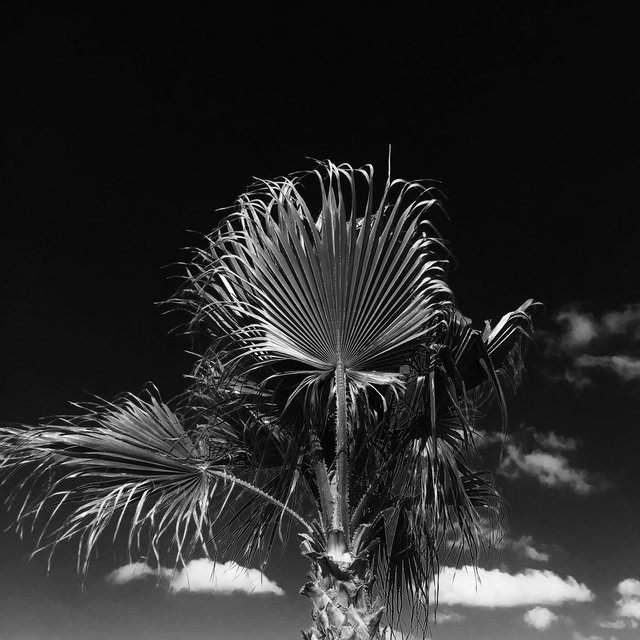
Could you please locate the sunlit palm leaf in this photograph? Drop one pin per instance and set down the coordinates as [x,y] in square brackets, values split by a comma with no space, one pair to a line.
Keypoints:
[130,466]
[344,284]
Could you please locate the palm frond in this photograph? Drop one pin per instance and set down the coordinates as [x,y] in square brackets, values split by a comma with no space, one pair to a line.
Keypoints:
[131,466]
[282,282]
[422,498]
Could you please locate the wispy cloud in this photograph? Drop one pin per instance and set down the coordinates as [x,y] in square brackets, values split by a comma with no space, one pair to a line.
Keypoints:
[551,470]
[580,329]
[494,537]
[495,588]
[526,434]
[540,618]
[579,380]
[543,456]
[444,617]
[608,342]
[134,571]
[524,546]
[625,321]
[626,367]
[577,635]
[551,440]
[613,624]
[200,575]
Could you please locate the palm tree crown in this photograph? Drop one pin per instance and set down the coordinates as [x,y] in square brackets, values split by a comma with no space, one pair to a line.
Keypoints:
[336,394]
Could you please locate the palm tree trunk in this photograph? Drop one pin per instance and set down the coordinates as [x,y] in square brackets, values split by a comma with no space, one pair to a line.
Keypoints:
[343,607]
[341,508]
[327,501]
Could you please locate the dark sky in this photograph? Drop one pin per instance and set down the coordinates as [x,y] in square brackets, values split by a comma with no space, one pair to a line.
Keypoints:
[125,131]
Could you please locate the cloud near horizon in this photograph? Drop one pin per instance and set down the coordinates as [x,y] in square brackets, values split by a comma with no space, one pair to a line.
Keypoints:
[445,617]
[577,635]
[612,624]
[627,612]
[628,606]
[539,618]
[497,589]
[201,576]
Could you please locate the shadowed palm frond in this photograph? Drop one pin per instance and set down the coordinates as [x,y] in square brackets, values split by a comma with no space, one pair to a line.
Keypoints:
[421,500]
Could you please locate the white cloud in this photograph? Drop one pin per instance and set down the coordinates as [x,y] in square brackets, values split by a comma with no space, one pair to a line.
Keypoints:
[444,617]
[549,469]
[606,342]
[132,572]
[201,575]
[627,367]
[615,624]
[626,321]
[628,606]
[576,378]
[524,545]
[545,439]
[579,328]
[580,636]
[495,588]
[540,618]
[551,440]
[547,462]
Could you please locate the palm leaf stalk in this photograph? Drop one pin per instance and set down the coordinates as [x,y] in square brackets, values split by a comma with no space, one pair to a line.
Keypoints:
[336,395]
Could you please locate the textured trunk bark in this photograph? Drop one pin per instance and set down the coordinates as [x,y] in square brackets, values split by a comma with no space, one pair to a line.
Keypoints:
[340,592]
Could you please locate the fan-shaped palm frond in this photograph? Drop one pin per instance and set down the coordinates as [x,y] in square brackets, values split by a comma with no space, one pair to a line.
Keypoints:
[282,283]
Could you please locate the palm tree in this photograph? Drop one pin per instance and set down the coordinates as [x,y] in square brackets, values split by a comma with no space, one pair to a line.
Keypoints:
[335,396]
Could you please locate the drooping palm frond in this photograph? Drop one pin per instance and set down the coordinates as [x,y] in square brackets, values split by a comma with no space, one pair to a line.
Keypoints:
[127,467]
[422,500]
